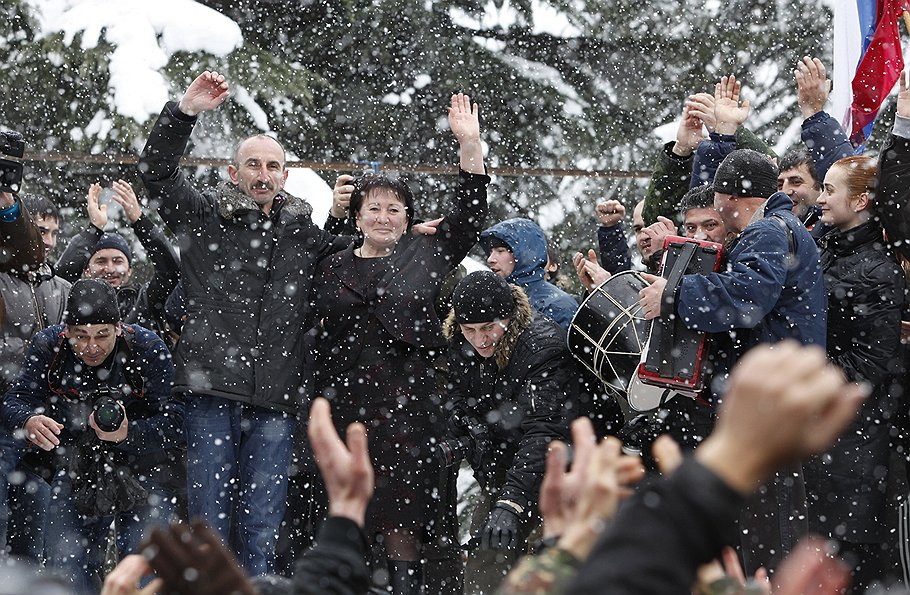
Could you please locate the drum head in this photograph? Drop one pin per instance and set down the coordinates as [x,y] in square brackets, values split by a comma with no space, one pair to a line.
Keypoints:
[608,333]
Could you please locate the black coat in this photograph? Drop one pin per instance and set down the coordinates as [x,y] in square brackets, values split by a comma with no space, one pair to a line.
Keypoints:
[525,395]
[405,296]
[865,298]
[247,278]
[893,191]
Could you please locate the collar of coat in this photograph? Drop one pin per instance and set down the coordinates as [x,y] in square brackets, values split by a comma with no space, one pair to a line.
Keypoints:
[232,203]
[517,325]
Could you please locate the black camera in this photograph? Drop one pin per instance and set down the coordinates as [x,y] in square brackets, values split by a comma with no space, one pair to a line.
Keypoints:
[471,443]
[108,412]
[12,145]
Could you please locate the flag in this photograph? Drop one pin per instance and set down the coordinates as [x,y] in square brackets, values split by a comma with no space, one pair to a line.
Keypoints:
[868,53]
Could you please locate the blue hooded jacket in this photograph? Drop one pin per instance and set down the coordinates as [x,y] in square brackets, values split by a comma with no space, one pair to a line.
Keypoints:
[762,289]
[529,247]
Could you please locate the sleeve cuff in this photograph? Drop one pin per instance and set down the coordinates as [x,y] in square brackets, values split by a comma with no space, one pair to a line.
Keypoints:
[901,127]
[815,119]
[344,532]
[10,213]
[174,109]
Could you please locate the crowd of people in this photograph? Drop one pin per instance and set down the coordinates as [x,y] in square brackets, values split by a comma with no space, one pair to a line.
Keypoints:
[219,391]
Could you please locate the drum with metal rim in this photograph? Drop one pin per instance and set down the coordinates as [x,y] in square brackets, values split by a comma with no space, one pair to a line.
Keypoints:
[609,332]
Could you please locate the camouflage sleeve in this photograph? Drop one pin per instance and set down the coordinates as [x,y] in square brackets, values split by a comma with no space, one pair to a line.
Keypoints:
[548,573]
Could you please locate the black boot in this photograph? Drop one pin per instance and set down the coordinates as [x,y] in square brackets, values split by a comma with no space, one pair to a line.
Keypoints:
[406,577]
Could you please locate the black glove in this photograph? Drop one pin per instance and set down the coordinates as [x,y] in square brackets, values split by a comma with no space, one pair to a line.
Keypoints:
[501,530]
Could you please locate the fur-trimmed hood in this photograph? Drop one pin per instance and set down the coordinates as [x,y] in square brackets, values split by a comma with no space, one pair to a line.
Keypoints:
[231,201]
[519,321]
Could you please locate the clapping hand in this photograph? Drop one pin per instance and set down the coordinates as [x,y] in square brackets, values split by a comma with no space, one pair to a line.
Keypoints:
[729,112]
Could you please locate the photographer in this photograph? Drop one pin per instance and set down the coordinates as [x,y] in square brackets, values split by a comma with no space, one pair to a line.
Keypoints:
[94,397]
[513,389]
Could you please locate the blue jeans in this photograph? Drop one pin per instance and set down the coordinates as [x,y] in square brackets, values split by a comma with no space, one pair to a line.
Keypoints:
[25,495]
[76,544]
[237,474]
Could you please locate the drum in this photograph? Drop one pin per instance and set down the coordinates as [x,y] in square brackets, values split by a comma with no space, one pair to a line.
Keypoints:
[608,332]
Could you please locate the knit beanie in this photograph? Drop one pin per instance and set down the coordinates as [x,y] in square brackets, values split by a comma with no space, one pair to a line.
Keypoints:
[482,296]
[115,241]
[92,301]
[745,172]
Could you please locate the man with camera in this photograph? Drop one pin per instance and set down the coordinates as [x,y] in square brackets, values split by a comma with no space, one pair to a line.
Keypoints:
[94,399]
[514,390]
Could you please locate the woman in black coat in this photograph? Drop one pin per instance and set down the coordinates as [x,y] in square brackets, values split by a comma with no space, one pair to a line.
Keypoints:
[380,333]
[847,485]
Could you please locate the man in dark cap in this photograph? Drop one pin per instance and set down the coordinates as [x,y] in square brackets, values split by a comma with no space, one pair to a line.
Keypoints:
[70,370]
[514,389]
[97,254]
[771,289]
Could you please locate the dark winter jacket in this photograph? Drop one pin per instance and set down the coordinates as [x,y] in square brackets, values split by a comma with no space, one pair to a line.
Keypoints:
[669,182]
[712,151]
[892,197]
[34,300]
[865,286]
[247,277]
[336,565]
[54,382]
[764,290]
[21,248]
[139,304]
[662,535]
[524,394]
[825,141]
[405,297]
[615,256]
[529,246]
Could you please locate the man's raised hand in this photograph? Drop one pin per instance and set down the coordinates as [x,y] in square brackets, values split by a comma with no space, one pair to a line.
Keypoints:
[729,112]
[610,212]
[207,92]
[782,403]
[813,86]
[126,198]
[97,212]
[903,96]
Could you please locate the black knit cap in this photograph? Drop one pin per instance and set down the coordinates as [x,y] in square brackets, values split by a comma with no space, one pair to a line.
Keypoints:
[482,296]
[745,172]
[92,301]
[115,241]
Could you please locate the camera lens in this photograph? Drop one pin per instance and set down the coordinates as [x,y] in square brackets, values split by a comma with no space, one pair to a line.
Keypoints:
[108,415]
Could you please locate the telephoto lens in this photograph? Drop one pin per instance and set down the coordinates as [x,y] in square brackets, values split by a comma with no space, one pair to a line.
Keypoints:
[108,414]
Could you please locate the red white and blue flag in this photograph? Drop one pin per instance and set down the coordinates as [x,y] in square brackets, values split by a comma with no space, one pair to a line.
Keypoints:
[867,53]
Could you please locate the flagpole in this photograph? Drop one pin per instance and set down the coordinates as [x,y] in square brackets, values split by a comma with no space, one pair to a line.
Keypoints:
[907,20]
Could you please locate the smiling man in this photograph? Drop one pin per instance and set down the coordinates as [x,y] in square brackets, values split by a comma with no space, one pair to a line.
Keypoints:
[97,254]
[248,254]
[512,374]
